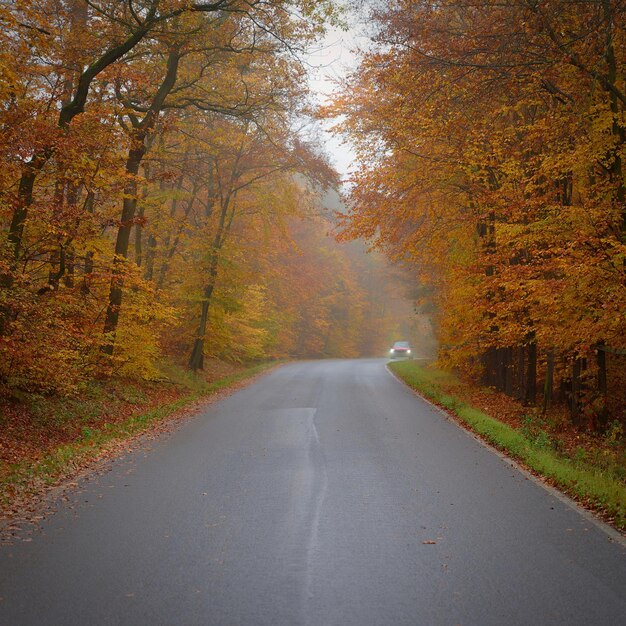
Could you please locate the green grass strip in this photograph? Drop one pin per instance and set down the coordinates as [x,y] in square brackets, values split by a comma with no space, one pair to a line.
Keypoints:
[590,484]
[25,477]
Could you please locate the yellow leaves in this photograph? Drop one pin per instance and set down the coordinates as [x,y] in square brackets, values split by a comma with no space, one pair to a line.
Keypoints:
[144,320]
[241,334]
[215,194]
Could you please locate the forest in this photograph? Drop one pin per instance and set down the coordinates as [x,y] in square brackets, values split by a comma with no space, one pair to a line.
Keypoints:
[178,221]
[162,194]
[163,191]
[491,142]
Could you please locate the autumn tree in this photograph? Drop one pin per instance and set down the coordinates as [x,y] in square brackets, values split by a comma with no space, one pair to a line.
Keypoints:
[491,141]
[158,194]
[71,71]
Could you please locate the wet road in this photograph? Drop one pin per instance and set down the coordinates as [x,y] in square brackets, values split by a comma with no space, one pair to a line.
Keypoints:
[326,493]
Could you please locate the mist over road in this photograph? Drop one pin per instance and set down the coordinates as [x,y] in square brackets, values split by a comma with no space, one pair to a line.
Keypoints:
[326,493]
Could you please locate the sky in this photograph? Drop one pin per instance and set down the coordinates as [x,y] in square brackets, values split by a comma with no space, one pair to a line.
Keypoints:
[330,62]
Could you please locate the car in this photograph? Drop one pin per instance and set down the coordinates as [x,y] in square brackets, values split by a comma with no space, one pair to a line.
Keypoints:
[400,350]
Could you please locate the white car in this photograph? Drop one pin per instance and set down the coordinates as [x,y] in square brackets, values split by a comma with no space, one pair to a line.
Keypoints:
[400,350]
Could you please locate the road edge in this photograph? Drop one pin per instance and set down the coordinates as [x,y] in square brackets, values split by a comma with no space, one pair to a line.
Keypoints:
[27,511]
[613,535]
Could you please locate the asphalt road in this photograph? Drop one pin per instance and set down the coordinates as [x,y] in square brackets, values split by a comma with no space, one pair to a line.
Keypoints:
[325,494]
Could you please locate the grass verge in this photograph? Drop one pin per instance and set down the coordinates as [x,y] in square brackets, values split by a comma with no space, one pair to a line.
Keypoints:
[95,432]
[594,486]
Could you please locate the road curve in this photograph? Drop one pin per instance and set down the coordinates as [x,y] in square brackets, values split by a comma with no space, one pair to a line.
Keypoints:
[326,493]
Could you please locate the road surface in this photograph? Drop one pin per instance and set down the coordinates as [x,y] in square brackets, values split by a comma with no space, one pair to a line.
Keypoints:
[326,493]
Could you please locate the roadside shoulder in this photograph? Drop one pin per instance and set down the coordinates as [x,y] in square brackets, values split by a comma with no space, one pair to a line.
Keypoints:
[31,488]
[602,504]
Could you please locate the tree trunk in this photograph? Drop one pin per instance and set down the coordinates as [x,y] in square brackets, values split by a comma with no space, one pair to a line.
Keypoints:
[603,416]
[70,266]
[575,395]
[140,222]
[530,395]
[138,237]
[196,360]
[548,384]
[521,373]
[508,371]
[500,369]
[88,262]
[129,206]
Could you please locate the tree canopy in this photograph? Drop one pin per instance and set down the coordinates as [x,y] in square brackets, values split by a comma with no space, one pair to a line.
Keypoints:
[491,142]
[160,194]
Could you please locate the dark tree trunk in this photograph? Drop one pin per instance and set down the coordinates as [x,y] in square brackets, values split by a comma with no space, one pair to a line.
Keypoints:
[88,261]
[548,384]
[484,360]
[508,371]
[16,234]
[575,395]
[73,195]
[500,369]
[24,200]
[141,215]
[87,272]
[129,206]
[530,396]
[521,373]
[58,265]
[57,256]
[135,155]
[70,266]
[139,237]
[196,360]
[497,370]
[603,416]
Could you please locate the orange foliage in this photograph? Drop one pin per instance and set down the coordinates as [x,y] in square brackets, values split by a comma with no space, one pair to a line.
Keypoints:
[491,138]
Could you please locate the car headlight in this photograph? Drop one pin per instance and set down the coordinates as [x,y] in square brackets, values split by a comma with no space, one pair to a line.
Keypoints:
[408,352]
[391,350]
